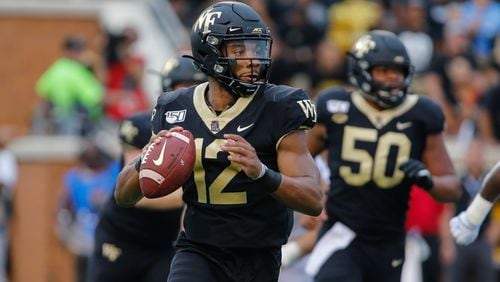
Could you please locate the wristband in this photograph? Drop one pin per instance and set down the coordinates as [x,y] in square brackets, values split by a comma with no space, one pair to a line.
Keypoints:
[270,180]
[138,165]
[262,171]
[478,209]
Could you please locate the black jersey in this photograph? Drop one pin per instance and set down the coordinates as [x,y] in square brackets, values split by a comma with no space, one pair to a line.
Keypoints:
[225,207]
[368,191]
[139,225]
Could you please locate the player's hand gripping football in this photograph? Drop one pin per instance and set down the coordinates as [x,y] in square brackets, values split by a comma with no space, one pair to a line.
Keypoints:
[243,154]
[416,172]
[464,231]
[156,139]
[162,133]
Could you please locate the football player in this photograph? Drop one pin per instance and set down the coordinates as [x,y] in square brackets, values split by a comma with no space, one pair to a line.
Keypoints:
[136,244]
[380,140]
[465,226]
[252,162]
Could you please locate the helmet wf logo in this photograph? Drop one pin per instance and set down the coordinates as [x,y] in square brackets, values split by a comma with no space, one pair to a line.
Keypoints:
[170,65]
[363,46]
[206,20]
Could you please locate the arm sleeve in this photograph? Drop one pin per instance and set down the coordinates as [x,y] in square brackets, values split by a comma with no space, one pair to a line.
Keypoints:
[295,111]
[158,116]
[321,108]
[433,115]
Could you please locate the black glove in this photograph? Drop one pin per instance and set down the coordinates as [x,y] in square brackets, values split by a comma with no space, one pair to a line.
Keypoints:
[417,173]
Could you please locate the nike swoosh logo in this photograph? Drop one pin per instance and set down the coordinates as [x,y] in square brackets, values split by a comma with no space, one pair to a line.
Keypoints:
[403,125]
[240,129]
[159,160]
[233,29]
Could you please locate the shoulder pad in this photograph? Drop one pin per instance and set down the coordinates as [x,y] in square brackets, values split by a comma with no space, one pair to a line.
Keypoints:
[332,100]
[298,112]
[169,96]
[431,113]
[166,101]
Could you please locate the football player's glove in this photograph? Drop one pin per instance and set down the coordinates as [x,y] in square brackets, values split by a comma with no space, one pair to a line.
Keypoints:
[463,230]
[416,172]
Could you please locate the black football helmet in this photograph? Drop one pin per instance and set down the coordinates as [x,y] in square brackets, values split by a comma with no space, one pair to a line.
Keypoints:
[225,22]
[379,48]
[179,70]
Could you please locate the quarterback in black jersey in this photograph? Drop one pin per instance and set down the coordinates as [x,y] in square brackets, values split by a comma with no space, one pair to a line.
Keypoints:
[380,141]
[136,244]
[252,162]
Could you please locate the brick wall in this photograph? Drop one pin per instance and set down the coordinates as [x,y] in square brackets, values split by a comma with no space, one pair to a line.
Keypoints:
[28,45]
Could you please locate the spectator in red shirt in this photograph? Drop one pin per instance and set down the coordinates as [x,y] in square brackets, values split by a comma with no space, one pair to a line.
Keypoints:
[124,92]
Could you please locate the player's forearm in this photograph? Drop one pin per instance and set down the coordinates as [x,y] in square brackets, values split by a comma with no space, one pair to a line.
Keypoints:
[491,185]
[316,139]
[483,201]
[302,194]
[128,191]
[171,201]
[446,188]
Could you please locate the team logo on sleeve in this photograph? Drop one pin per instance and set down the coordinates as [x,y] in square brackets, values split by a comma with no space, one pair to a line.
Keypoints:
[309,109]
[175,116]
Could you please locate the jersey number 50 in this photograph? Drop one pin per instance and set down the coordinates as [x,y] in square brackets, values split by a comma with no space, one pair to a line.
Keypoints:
[373,167]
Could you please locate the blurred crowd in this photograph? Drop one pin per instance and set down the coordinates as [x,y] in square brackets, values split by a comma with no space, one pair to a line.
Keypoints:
[92,86]
[454,46]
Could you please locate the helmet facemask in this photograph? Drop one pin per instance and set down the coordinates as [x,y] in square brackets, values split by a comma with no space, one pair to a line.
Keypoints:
[389,95]
[224,24]
[384,49]
[243,63]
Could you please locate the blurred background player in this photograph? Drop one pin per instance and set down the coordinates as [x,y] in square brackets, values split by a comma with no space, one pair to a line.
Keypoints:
[380,142]
[87,187]
[252,167]
[136,244]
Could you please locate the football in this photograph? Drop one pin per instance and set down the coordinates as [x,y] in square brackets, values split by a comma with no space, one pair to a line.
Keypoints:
[166,166]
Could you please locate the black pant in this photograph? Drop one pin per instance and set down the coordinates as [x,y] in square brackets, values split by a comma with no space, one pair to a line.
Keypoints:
[202,263]
[117,259]
[363,261]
